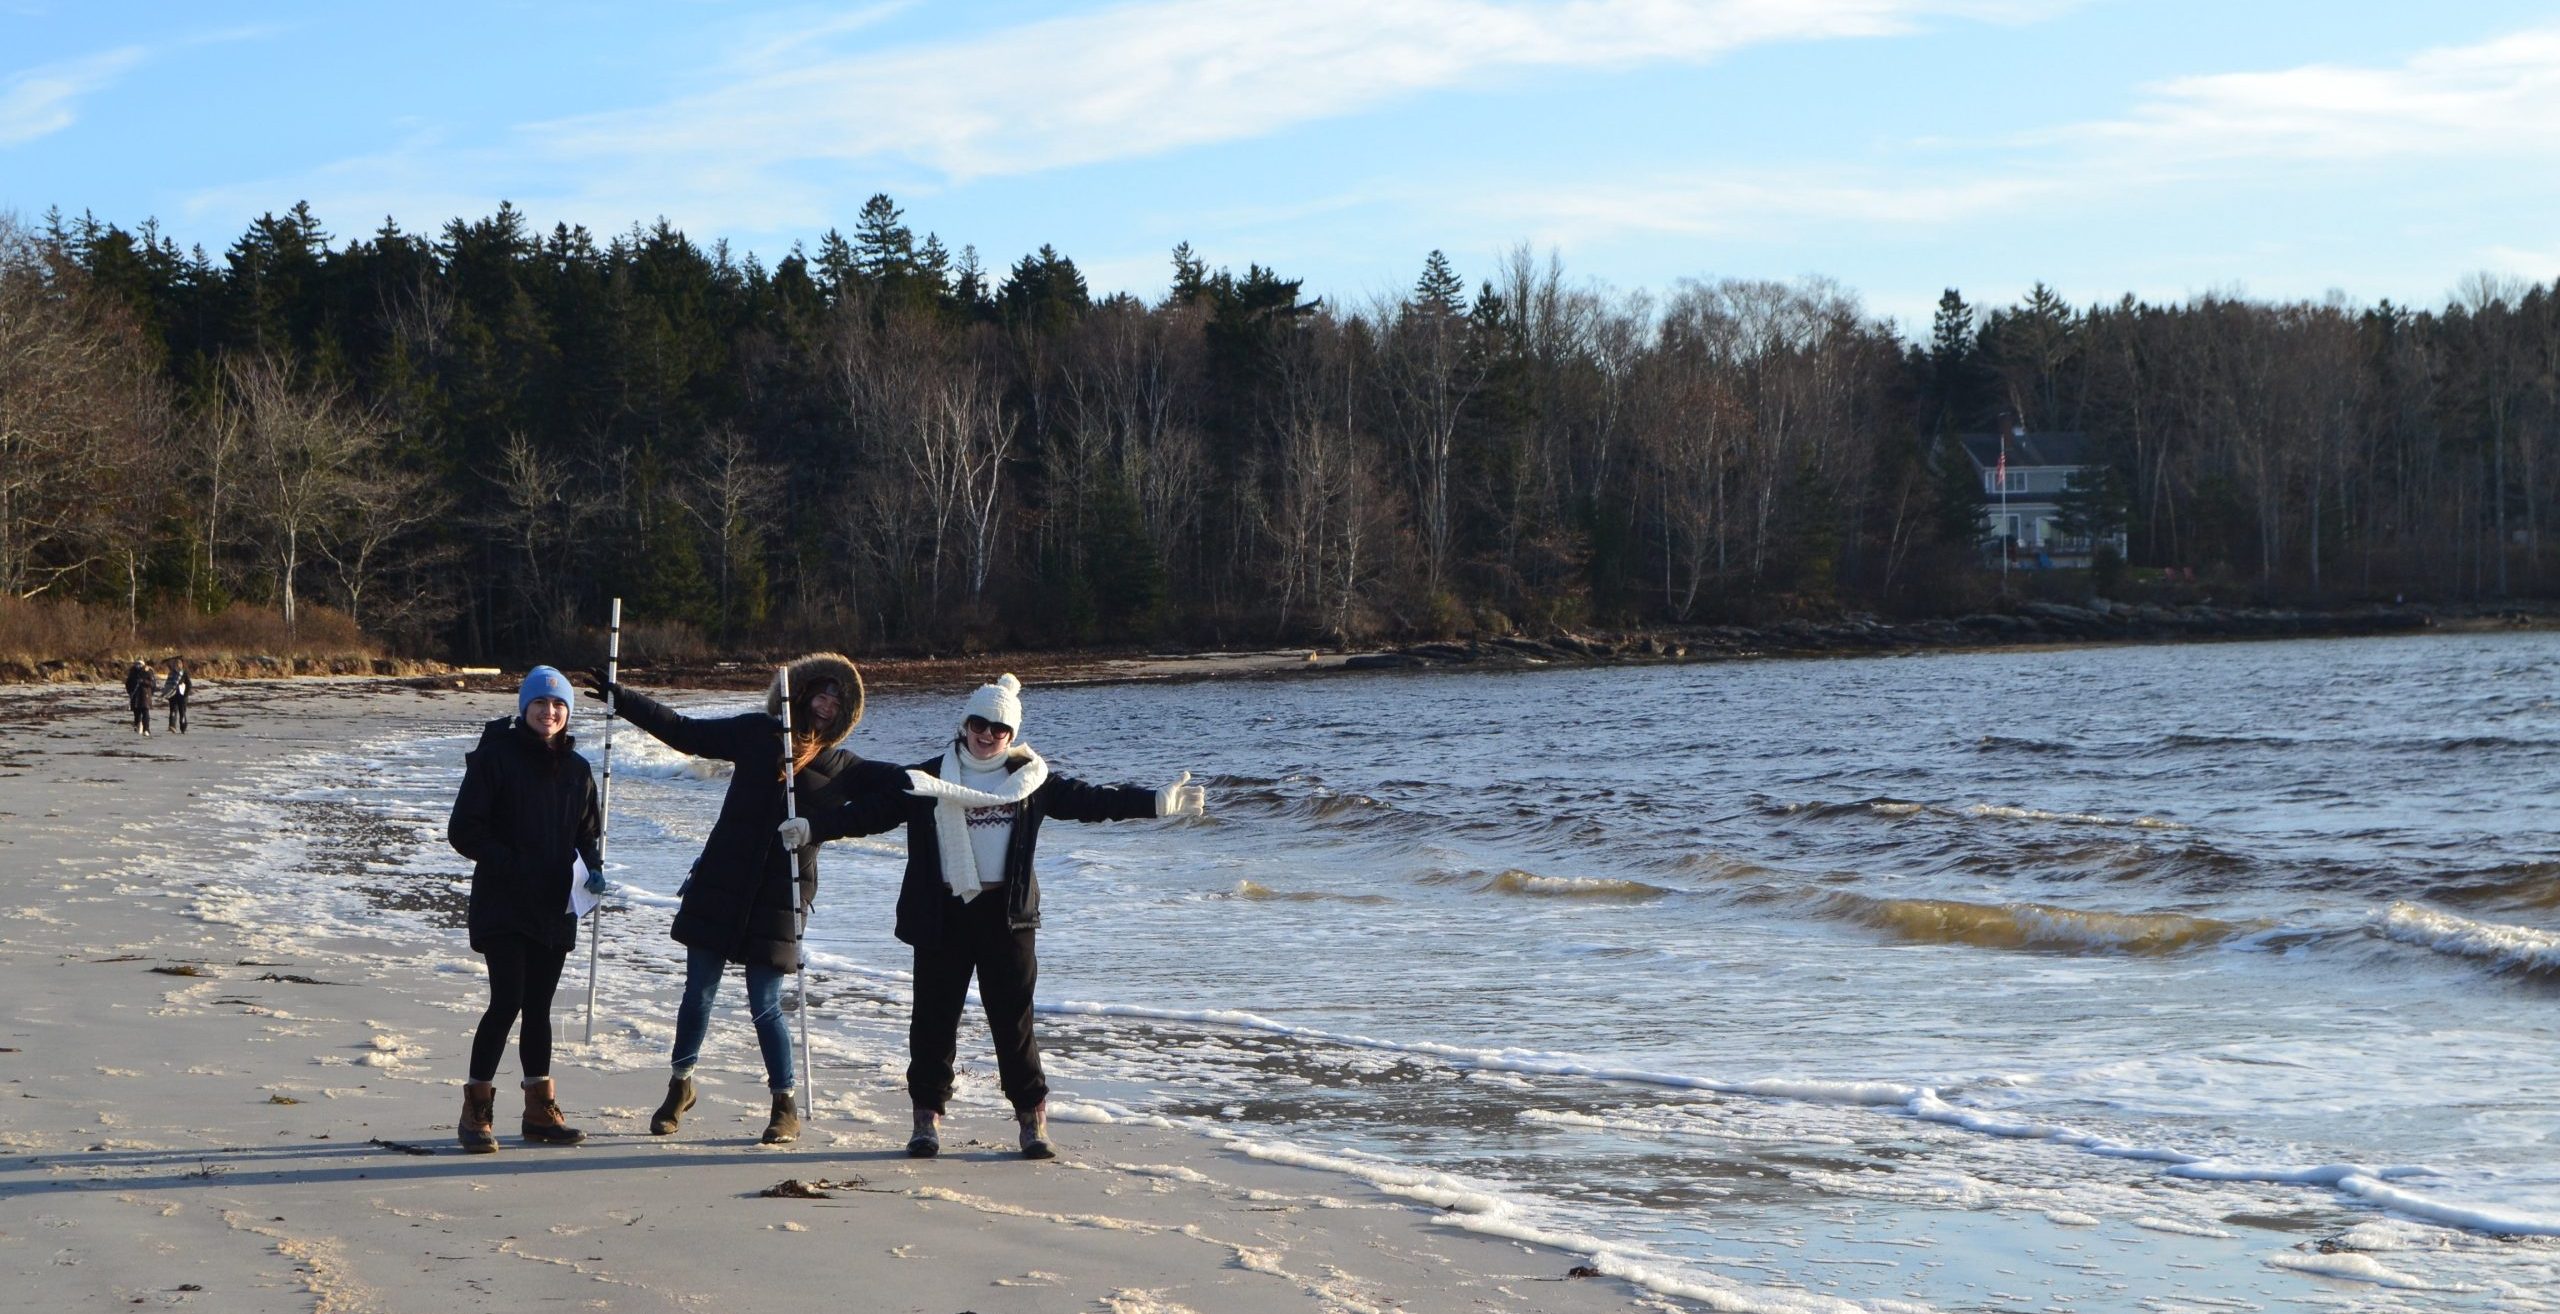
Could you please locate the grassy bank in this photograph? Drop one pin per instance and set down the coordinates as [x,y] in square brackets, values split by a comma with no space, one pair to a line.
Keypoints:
[44,641]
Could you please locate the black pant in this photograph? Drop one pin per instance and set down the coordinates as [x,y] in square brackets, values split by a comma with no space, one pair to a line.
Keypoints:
[976,937]
[178,715]
[522,977]
[142,716]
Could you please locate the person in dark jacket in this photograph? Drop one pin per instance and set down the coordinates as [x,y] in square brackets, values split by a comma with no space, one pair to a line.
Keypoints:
[746,899]
[970,904]
[138,689]
[175,689]
[529,820]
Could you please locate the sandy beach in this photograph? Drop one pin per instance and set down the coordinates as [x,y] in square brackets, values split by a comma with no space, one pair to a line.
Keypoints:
[211,1113]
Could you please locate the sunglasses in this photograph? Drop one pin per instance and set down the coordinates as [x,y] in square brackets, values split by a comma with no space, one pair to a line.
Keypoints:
[979,725]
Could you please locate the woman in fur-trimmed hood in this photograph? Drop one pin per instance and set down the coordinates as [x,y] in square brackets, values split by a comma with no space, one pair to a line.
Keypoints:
[747,897]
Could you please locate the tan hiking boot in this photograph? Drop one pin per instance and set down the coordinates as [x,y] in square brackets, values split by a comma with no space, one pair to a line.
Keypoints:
[543,1124]
[1035,1132]
[478,1130]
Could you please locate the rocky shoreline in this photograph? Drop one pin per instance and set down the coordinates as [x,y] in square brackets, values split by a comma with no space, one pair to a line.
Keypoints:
[2025,624]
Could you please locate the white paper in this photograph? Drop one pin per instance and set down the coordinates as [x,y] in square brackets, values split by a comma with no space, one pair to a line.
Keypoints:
[581,902]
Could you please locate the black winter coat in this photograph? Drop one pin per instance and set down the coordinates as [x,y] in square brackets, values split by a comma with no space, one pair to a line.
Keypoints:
[524,810]
[741,900]
[139,686]
[923,896]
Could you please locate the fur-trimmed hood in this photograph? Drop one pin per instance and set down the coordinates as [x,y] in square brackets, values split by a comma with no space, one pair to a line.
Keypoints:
[808,673]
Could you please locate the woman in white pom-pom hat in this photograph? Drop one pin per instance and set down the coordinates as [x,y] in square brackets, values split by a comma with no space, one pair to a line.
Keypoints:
[971,901]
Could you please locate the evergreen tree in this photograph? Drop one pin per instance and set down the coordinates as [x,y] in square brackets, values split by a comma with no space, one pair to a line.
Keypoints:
[1439,291]
[1044,292]
[1190,276]
[884,250]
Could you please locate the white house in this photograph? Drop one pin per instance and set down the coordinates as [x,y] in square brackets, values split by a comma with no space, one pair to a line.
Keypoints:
[2023,479]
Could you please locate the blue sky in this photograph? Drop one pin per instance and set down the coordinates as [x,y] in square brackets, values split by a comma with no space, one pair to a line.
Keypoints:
[2161,147]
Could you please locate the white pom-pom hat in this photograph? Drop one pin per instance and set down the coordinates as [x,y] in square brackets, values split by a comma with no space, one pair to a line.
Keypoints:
[1000,702]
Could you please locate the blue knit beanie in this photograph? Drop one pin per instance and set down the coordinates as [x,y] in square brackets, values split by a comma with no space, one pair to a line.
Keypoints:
[545,682]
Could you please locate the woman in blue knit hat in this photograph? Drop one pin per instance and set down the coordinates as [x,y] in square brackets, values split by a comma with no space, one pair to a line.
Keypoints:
[528,818]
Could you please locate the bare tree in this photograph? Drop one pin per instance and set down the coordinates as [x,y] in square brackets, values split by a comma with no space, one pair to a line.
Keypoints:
[79,406]
[307,447]
[734,496]
[385,506]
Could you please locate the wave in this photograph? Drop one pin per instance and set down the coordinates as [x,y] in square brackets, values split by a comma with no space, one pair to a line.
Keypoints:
[2016,744]
[1529,884]
[2514,885]
[1865,807]
[1255,891]
[2030,925]
[1884,806]
[2005,813]
[2507,948]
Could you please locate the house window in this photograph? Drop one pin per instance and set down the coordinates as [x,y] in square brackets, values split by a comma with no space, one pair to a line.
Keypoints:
[2017,482]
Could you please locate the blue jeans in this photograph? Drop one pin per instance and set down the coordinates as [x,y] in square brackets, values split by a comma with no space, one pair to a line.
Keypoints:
[702,971]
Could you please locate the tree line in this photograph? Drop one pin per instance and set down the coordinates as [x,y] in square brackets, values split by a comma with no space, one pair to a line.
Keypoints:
[468,440]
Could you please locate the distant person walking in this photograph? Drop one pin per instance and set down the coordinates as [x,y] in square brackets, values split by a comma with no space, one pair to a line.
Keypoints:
[175,689]
[970,904]
[138,690]
[528,818]
[746,896]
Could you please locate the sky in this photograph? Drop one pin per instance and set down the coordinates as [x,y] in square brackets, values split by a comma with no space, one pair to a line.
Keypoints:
[2278,149]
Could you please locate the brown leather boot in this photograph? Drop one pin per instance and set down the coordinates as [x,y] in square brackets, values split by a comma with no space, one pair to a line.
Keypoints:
[784,1126]
[671,1110]
[1035,1132]
[543,1124]
[477,1130]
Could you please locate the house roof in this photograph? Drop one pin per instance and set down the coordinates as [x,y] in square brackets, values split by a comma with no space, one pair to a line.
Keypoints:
[2049,448]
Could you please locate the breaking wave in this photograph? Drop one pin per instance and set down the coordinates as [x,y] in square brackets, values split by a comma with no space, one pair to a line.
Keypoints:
[1255,891]
[2030,925]
[2507,948]
[1529,884]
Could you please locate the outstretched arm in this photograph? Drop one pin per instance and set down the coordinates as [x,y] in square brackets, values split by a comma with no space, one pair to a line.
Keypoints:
[1069,799]
[719,737]
[874,802]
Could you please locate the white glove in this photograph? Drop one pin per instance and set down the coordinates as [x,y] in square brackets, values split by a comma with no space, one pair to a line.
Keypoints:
[1182,798]
[795,833]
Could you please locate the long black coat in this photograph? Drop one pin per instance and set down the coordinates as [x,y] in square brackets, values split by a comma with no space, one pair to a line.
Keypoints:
[741,900]
[885,805]
[524,810]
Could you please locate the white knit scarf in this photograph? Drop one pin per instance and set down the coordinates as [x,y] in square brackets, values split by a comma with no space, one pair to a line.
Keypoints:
[951,811]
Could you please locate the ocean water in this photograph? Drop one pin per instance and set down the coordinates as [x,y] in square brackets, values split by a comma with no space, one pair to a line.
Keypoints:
[2128,978]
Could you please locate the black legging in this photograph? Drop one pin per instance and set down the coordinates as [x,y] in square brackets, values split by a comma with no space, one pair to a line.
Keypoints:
[522,977]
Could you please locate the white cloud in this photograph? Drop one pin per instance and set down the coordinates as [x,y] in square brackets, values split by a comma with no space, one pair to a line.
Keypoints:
[40,101]
[1161,75]
[789,113]
[2308,125]
[2497,97]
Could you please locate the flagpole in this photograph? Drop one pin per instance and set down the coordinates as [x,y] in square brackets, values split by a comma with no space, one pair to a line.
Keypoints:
[2000,476]
[604,830]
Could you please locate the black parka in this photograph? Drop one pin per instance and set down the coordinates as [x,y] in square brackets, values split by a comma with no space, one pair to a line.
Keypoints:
[923,896]
[524,810]
[740,901]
